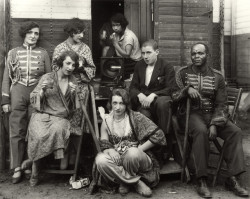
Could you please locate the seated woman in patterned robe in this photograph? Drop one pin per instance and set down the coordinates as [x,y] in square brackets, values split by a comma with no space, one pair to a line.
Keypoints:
[76,28]
[126,140]
[54,100]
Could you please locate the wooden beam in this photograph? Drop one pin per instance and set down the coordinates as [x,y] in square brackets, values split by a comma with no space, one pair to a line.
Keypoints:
[233,74]
[2,63]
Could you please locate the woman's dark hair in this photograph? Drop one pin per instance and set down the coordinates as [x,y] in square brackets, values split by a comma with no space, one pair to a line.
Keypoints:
[74,26]
[119,18]
[66,54]
[119,92]
[26,27]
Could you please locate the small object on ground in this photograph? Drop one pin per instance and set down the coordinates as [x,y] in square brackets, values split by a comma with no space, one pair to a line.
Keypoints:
[78,184]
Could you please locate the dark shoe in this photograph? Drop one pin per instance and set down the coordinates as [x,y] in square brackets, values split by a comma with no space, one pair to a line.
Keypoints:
[123,189]
[203,190]
[233,185]
[18,179]
[27,174]
[143,189]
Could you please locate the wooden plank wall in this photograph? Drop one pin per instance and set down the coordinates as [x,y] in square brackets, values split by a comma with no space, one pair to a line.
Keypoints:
[52,32]
[197,26]
[227,39]
[243,59]
[242,26]
[139,15]
[54,9]
[2,59]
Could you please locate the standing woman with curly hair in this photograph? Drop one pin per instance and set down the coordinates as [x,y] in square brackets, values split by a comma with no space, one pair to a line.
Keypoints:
[75,29]
[25,65]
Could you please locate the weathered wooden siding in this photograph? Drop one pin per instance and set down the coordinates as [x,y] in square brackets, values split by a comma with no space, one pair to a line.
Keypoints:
[242,17]
[138,13]
[243,59]
[242,25]
[227,38]
[227,17]
[176,29]
[52,9]
[51,15]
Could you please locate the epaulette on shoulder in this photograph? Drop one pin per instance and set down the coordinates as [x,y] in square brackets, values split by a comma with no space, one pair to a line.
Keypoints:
[178,70]
[216,71]
[42,48]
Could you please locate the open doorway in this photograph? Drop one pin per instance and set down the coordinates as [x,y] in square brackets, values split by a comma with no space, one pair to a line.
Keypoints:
[102,10]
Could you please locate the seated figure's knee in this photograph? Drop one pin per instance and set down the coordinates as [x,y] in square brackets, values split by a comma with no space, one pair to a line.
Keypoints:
[101,159]
[133,153]
[200,130]
[237,133]
[163,103]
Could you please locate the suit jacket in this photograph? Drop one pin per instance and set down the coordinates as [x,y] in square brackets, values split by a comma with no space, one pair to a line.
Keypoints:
[161,82]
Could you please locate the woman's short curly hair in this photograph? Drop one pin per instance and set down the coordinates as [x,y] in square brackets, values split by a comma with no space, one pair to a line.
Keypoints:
[74,26]
[119,18]
[26,27]
[123,94]
[64,55]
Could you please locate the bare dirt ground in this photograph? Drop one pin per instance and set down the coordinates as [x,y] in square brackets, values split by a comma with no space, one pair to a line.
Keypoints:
[57,186]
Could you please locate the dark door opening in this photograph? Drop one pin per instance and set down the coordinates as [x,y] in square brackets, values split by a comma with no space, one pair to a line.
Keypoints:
[101,11]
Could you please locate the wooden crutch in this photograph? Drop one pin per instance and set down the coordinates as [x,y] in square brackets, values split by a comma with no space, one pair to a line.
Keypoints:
[184,159]
[85,114]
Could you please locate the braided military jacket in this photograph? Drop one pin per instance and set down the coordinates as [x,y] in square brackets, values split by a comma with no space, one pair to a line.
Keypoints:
[25,65]
[211,86]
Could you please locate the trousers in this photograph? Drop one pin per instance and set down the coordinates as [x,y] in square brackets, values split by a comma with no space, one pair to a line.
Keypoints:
[19,118]
[159,112]
[133,162]
[230,133]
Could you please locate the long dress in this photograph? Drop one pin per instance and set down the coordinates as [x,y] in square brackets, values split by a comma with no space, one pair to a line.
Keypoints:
[49,127]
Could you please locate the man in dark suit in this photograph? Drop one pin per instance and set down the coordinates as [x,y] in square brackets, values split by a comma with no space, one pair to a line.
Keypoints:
[150,89]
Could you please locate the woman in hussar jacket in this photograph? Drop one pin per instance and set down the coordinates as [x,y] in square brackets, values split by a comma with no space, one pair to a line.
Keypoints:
[25,65]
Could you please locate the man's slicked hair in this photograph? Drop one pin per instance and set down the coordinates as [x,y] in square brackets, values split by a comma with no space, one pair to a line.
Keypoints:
[150,42]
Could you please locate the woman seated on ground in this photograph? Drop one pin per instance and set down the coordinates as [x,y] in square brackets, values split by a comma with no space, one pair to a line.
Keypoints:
[54,100]
[126,140]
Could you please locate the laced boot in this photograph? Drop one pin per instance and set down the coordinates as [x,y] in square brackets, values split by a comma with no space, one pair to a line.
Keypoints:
[233,185]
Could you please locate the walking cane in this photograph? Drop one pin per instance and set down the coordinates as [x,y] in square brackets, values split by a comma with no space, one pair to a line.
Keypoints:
[184,159]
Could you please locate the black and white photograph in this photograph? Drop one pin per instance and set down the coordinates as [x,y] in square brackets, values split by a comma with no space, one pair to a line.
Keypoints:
[107,99]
